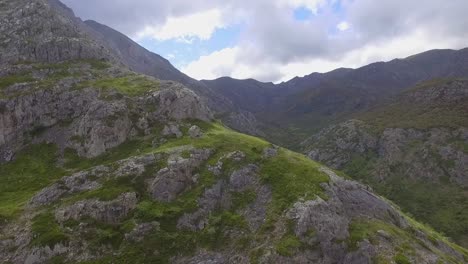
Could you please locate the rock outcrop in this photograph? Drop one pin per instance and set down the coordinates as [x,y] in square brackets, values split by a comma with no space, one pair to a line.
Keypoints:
[179,175]
[111,212]
[417,141]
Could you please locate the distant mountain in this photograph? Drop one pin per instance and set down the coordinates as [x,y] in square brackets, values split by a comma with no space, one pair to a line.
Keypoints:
[412,149]
[305,105]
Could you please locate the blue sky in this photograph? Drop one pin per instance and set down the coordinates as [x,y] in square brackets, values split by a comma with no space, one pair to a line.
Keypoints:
[181,53]
[276,40]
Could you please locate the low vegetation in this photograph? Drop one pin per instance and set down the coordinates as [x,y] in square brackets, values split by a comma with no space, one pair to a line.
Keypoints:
[131,85]
[34,168]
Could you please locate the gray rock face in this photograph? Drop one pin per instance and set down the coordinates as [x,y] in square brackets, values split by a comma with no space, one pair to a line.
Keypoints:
[78,182]
[178,176]
[135,166]
[172,130]
[195,132]
[219,196]
[94,125]
[178,103]
[31,37]
[104,126]
[420,151]
[350,135]
[140,231]
[111,212]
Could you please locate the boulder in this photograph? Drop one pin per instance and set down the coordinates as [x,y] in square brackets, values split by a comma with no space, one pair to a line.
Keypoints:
[140,231]
[172,130]
[270,152]
[111,212]
[195,132]
[178,176]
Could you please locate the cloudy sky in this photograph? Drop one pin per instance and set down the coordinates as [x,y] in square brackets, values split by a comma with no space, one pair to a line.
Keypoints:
[276,40]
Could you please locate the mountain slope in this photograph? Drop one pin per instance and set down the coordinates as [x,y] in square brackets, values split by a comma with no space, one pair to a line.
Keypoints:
[100,164]
[137,58]
[59,36]
[305,105]
[413,150]
[143,61]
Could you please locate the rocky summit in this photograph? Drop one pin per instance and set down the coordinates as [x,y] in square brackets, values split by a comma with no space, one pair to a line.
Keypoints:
[101,164]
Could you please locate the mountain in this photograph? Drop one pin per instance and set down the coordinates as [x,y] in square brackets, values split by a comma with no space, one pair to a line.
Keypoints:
[413,150]
[100,164]
[305,105]
[145,62]
[138,58]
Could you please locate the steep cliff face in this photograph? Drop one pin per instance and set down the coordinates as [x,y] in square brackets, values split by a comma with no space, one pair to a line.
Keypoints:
[413,150]
[75,106]
[40,31]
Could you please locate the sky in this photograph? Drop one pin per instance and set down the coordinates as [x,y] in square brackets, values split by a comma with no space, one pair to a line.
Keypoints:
[277,40]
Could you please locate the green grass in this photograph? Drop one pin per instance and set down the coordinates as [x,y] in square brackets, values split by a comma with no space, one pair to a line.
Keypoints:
[240,200]
[292,177]
[46,231]
[7,81]
[54,73]
[461,145]
[403,113]
[364,229]
[401,259]
[441,206]
[288,245]
[131,85]
[110,190]
[34,168]
[403,240]
[170,241]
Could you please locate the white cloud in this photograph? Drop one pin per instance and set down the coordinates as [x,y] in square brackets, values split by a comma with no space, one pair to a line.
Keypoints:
[232,62]
[312,5]
[343,26]
[274,46]
[198,25]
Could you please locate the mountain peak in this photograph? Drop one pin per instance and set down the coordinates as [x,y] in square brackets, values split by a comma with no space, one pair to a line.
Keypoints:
[46,31]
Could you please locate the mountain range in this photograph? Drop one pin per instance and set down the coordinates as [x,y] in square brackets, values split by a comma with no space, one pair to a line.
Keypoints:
[109,154]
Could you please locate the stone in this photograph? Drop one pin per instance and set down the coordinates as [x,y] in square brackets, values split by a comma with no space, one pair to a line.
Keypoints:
[178,176]
[219,196]
[195,132]
[140,231]
[111,212]
[172,130]
[236,156]
[75,183]
[270,152]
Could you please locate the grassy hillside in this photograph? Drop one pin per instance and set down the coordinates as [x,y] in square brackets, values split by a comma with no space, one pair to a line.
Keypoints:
[291,176]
